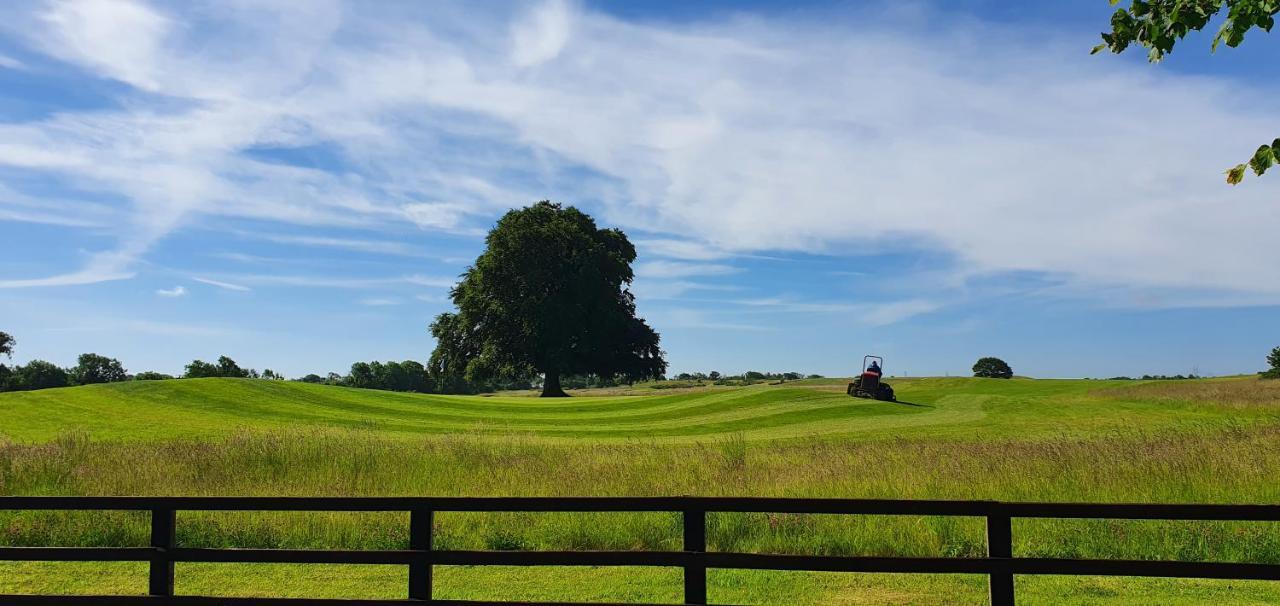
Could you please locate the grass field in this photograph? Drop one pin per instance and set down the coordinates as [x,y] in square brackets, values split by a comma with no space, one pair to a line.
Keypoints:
[1197,441]
[968,409]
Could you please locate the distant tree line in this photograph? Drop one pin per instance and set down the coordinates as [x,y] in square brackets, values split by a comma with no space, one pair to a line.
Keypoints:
[747,378]
[225,368]
[434,377]
[90,368]
[410,376]
[413,376]
[1157,377]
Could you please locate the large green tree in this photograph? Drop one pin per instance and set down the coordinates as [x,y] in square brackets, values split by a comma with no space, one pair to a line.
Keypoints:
[92,368]
[550,294]
[1273,360]
[992,368]
[199,369]
[6,348]
[456,347]
[1158,25]
[226,367]
[38,374]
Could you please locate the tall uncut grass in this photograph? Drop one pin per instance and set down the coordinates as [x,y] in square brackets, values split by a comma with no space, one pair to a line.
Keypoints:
[1220,466]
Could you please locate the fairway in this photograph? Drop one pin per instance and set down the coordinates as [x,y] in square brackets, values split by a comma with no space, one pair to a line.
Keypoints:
[933,408]
[949,438]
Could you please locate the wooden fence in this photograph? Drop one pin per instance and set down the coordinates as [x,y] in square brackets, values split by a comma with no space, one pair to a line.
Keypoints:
[999,565]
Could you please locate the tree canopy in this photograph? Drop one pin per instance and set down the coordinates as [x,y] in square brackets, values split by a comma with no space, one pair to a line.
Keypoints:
[548,295]
[38,374]
[992,368]
[226,367]
[409,375]
[92,368]
[1158,25]
[1273,359]
[6,344]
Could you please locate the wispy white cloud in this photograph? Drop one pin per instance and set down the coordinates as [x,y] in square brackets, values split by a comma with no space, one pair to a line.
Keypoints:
[849,272]
[687,250]
[542,34]
[434,281]
[780,304]
[703,320]
[173,293]
[102,267]
[23,215]
[322,281]
[222,285]
[17,206]
[120,39]
[7,62]
[879,313]
[436,215]
[1018,154]
[382,247]
[883,314]
[680,269]
[316,281]
[151,327]
[33,156]
[663,289]
[381,301]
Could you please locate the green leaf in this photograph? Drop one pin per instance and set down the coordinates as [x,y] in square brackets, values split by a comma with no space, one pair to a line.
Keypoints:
[1097,49]
[1262,159]
[1236,175]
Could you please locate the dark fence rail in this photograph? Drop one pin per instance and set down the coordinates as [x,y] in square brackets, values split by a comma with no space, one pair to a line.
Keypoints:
[999,566]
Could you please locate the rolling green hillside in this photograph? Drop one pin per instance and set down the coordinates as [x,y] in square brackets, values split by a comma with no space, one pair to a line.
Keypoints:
[1019,440]
[962,408]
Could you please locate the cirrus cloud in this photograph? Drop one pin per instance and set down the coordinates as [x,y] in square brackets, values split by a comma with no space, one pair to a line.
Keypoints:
[1002,149]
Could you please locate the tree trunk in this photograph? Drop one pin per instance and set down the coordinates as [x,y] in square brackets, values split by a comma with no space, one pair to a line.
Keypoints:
[551,385]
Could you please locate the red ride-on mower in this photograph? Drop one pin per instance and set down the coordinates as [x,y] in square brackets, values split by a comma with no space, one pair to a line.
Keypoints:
[869,383]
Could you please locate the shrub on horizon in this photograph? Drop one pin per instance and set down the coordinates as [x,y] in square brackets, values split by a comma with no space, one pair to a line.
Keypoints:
[992,368]
[92,368]
[1273,359]
[226,367]
[37,374]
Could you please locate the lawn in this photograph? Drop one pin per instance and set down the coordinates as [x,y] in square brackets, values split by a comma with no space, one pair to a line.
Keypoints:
[1190,441]
[973,409]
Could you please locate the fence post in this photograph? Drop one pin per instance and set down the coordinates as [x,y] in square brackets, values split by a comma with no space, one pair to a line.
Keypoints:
[695,543]
[420,538]
[163,539]
[1000,545]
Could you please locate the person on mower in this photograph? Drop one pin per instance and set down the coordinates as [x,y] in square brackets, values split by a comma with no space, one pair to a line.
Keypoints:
[875,368]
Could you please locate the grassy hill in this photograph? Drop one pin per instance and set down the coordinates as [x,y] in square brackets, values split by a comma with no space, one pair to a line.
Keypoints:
[1021,439]
[936,408]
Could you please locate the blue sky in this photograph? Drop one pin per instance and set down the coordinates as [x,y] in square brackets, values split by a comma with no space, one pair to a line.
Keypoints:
[296,184]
